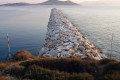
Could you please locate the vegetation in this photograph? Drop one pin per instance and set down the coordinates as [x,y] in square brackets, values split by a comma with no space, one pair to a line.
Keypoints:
[69,65]
[23,55]
[29,67]
[35,72]
[3,78]
[106,61]
[66,69]
[2,66]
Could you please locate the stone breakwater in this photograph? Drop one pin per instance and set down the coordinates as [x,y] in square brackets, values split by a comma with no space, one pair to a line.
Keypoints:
[64,40]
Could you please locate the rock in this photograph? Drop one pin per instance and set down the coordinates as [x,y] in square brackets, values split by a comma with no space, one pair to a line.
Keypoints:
[64,40]
[103,56]
[83,56]
[53,51]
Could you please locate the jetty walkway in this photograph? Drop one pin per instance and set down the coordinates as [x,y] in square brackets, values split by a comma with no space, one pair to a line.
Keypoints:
[64,40]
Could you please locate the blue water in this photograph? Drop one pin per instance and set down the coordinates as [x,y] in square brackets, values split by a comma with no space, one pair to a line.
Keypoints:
[27,27]
[98,24]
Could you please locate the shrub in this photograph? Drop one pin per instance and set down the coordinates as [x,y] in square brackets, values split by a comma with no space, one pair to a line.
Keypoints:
[16,70]
[4,78]
[106,61]
[23,55]
[35,72]
[39,73]
[67,69]
[2,66]
[114,76]
[112,67]
[67,65]
[81,76]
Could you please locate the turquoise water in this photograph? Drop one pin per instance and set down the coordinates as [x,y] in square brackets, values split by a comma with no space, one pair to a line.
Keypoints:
[27,27]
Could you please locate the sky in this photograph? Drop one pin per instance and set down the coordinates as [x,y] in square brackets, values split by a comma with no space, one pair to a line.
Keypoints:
[114,2]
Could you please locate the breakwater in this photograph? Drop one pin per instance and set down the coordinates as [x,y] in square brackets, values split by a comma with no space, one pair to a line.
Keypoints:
[64,40]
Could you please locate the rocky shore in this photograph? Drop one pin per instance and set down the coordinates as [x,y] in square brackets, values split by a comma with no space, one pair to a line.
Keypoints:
[64,40]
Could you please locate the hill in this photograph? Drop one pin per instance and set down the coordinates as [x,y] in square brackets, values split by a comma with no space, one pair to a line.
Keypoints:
[57,2]
[49,2]
[16,4]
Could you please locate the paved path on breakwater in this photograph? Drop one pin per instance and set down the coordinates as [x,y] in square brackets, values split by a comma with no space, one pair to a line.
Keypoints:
[64,40]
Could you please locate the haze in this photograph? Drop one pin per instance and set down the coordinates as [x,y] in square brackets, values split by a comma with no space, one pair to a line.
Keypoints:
[86,2]
[36,1]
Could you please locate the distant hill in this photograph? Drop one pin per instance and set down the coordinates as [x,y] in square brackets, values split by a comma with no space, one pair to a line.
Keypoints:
[49,2]
[16,4]
[57,2]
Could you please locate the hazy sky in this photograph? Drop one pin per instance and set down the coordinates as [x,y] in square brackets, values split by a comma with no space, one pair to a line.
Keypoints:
[36,1]
[77,1]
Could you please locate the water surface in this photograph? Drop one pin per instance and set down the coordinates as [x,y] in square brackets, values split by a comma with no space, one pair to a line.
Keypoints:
[27,27]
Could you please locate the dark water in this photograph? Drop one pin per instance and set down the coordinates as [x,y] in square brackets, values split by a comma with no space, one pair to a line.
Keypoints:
[27,27]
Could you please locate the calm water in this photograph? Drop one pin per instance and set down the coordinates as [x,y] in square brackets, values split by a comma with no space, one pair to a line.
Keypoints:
[27,27]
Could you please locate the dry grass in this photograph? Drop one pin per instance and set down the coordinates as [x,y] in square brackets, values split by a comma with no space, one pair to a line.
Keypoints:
[3,65]
[23,55]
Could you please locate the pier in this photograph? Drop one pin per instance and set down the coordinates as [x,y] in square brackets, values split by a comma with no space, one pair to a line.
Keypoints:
[64,40]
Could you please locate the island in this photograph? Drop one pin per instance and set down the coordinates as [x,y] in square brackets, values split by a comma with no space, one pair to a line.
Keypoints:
[16,4]
[49,2]
[57,2]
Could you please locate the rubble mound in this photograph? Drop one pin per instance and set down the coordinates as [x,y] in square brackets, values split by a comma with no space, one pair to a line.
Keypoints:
[64,40]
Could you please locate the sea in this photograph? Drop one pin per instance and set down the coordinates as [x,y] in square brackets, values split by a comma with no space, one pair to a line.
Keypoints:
[27,27]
